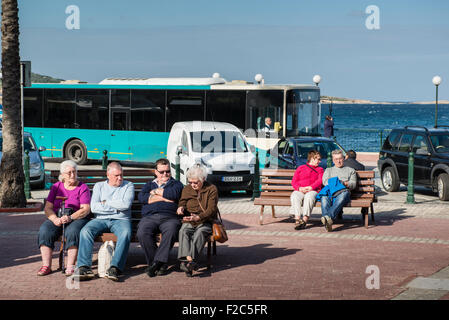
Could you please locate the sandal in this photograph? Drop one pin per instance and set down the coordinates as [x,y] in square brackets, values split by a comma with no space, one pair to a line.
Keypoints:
[300,224]
[44,270]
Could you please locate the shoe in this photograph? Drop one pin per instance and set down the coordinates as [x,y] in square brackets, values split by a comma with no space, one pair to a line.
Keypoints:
[113,273]
[192,266]
[44,270]
[69,271]
[163,270]
[183,266]
[153,269]
[327,222]
[83,273]
[300,224]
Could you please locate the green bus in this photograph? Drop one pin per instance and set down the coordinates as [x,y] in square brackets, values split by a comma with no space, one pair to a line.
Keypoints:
[131,118]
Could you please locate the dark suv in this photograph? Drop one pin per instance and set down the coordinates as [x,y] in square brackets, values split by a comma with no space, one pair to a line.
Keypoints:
[431,163]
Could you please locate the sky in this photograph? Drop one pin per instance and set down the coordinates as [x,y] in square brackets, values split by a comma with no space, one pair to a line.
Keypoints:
[387,55]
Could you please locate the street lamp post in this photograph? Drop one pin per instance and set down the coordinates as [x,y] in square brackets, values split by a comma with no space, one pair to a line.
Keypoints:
[436,81]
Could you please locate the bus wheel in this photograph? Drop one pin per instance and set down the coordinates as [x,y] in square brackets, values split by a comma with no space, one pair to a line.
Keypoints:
[76,151]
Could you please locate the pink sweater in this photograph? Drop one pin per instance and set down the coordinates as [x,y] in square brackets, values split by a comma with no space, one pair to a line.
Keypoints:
[306,176]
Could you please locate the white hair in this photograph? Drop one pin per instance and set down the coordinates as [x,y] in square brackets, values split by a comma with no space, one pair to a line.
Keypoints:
[197,171]
[337,152]
[64,166]
[114,165]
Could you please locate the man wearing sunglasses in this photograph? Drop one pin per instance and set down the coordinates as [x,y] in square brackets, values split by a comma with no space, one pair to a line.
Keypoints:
[160,201]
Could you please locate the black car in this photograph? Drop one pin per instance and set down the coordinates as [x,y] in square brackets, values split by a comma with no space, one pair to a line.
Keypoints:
[292,152]
[431,159]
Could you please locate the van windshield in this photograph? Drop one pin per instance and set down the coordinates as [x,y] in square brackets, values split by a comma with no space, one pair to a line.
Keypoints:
[28,144]
[217,141]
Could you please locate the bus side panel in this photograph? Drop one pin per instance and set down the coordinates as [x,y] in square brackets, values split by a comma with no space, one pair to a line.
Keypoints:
[148,146]
[43,138]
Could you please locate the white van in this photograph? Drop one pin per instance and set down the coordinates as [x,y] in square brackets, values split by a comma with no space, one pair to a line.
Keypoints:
[219,146]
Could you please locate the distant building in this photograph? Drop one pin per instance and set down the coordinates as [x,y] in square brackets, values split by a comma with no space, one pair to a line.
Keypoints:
[72,81]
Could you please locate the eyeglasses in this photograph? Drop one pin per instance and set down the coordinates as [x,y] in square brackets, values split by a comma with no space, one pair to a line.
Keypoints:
[164,171]
[194,182]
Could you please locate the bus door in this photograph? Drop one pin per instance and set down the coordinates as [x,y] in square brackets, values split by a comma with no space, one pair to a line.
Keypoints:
[120,144]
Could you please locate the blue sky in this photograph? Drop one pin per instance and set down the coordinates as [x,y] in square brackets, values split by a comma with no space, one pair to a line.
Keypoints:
[287,41]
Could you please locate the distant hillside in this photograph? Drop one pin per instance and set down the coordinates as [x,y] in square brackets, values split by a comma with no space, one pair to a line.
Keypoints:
[39,78]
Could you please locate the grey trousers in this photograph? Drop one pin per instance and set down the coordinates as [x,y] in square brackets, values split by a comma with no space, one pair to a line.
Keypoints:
[192,239]
[302,204]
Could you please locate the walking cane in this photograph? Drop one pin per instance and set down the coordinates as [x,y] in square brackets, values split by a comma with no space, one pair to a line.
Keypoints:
[62,253]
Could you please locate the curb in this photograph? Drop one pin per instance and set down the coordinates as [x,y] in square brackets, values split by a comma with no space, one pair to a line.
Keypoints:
[32,206]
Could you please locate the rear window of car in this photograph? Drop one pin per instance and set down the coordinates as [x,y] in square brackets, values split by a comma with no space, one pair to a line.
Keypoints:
[391,143]
[323,147]
[406,141]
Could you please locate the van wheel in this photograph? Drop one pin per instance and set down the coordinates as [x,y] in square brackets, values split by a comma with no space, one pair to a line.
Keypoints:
[76,151]
[390,181]
[443,186]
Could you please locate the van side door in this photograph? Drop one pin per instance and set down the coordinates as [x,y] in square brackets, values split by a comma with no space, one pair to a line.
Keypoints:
[400,157]
[422,160]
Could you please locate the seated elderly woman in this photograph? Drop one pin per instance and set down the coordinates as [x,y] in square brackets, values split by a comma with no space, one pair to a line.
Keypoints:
[198,204]
[77,200]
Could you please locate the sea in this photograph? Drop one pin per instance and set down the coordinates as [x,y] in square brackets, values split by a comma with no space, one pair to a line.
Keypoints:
[364,127]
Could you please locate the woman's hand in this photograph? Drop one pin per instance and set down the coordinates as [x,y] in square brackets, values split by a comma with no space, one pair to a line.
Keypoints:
[65,219]
[192,218]
[56,221]
[180,211]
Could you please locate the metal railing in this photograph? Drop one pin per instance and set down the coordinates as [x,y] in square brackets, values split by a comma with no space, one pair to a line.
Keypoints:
[361,140]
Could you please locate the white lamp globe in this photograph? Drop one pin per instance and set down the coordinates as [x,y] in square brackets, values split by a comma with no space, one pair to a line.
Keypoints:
[316,79]
[436,80]
[216,75]
[258,77]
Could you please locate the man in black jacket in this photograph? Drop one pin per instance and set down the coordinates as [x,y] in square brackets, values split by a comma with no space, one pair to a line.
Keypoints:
[350,161]
[160,201]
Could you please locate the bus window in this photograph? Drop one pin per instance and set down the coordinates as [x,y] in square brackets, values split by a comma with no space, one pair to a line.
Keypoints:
[226,106]
[92,109]
[184,106]
[148,110]
[59,108]
[264,109]
[303,112]
[33,107]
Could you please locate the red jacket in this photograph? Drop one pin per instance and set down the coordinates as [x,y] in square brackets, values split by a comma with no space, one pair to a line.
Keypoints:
[307,175]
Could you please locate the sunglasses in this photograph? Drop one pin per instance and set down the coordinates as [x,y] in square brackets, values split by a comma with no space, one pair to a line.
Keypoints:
[164,171]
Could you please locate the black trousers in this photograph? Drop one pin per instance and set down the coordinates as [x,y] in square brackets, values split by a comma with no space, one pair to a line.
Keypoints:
[149,227]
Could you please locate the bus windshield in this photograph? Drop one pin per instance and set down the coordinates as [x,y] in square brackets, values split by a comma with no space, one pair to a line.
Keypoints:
[303,112]
[217,142]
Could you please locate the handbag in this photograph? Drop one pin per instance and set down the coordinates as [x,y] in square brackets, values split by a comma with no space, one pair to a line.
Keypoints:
[218,229]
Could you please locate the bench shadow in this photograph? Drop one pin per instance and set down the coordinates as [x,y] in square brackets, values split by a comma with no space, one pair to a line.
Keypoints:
[227,258]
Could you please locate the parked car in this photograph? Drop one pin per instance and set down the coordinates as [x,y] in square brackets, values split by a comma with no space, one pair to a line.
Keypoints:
[431,159]
[292,152]
[37,168]
[219,146]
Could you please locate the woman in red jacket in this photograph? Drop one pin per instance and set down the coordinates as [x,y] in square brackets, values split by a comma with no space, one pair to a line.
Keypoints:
[307,182]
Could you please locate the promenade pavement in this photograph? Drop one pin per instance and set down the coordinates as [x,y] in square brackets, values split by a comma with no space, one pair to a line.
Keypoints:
[403,255]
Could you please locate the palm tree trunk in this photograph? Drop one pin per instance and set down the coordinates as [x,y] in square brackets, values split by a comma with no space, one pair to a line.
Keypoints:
[11,169]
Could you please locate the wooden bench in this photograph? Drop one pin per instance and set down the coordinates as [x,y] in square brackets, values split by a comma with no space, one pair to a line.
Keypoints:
[277,188]
[139,177]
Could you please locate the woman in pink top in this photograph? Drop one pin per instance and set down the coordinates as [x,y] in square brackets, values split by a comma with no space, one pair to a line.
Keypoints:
[78,200]
[306,182]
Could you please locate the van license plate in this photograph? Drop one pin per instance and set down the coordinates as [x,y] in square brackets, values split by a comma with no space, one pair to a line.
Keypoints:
[232,179]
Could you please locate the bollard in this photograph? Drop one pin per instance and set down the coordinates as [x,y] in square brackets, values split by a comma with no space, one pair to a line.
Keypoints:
[256,179]
[105,159]
[26,168]
[329,160]
[410,186]
[380,136]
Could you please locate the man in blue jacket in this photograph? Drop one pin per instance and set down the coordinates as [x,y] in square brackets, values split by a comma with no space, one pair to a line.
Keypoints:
[339,189]
[160,201]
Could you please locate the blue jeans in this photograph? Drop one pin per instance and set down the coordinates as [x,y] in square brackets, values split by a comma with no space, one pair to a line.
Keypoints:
[337,204]
[120,227]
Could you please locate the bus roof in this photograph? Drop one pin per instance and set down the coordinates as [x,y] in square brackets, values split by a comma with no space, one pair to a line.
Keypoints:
[213,83]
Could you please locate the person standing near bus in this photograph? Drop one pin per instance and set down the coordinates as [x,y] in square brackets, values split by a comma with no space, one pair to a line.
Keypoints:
[329,126]
[160,202]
